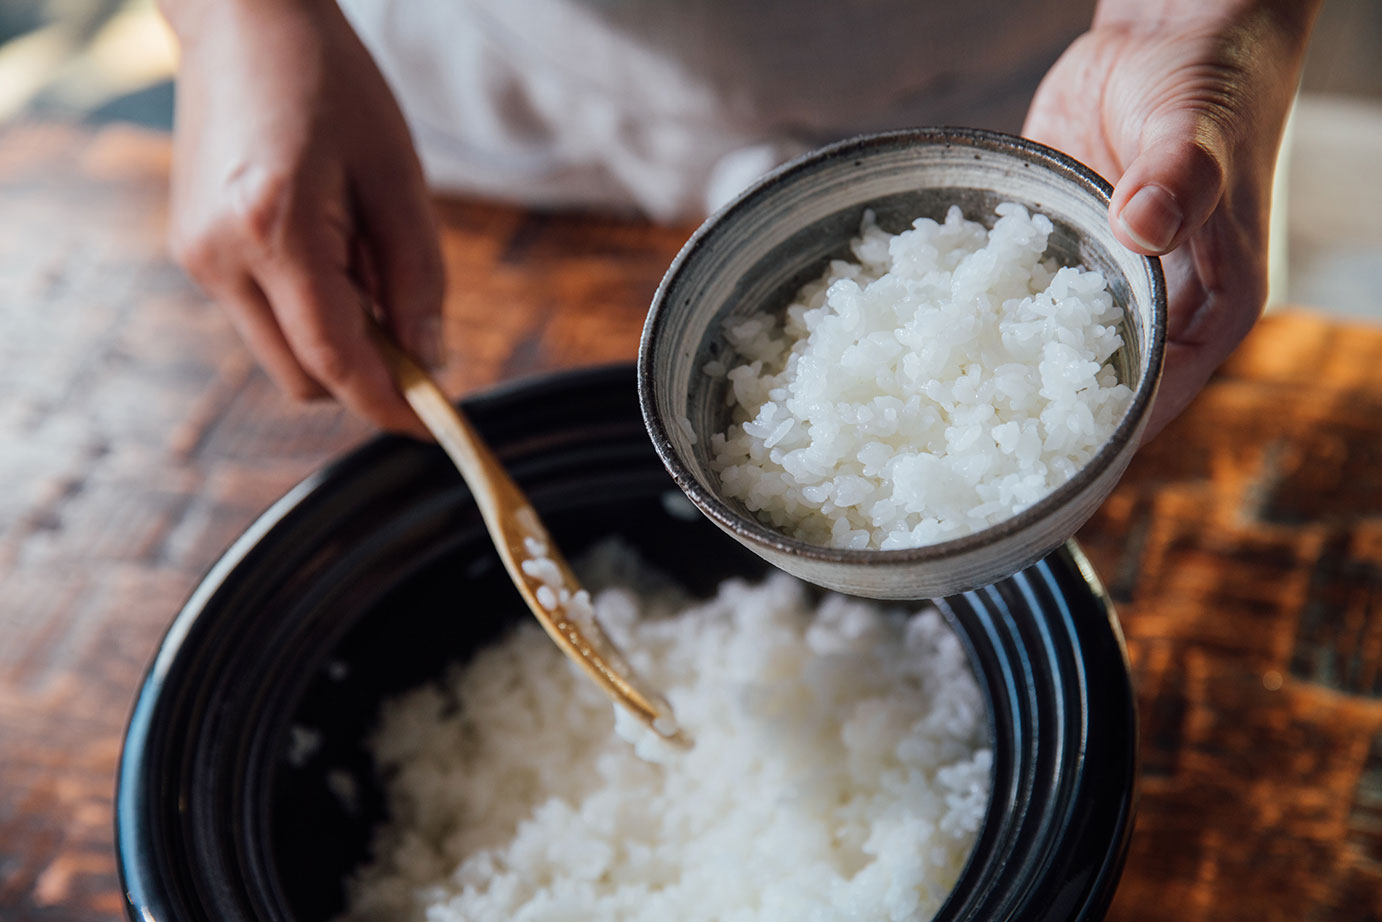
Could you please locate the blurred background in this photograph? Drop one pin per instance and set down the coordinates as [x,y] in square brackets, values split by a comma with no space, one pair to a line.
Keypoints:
[97,61]
[137,441]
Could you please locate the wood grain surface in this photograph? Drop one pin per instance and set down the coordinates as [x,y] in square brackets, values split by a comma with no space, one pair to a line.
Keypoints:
[137,439]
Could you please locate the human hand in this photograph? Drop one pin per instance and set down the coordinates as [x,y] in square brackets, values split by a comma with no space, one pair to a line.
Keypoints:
[297,198]
[1181,104]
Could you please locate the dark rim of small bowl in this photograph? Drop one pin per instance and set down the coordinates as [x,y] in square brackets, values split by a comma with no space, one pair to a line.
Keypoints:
[749,527]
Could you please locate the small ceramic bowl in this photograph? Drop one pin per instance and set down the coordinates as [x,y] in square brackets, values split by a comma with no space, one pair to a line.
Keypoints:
[756,253]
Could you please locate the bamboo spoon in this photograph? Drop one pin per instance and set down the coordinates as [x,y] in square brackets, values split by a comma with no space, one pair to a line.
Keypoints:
[542,576]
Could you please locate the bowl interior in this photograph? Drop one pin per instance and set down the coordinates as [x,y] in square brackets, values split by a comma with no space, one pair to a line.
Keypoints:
[756,254]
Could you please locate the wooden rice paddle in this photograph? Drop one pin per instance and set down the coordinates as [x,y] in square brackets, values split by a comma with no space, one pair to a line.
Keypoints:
[516,531]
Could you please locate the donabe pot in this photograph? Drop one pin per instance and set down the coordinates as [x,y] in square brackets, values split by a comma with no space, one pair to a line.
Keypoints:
[245,791]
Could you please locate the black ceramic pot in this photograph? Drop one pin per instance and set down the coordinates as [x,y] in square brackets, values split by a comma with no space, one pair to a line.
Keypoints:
[368,578]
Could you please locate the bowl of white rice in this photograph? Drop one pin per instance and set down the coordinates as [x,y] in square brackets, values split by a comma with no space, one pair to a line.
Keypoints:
[905,365]
[355,718]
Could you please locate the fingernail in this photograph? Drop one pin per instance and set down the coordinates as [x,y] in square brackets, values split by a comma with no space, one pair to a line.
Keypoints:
[425,342]
[1151,218]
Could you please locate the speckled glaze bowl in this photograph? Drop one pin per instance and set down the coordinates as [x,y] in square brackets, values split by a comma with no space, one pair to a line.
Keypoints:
[757,252]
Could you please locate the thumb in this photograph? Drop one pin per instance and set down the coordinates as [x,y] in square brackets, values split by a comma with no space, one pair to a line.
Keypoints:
[404,252]
[1173,185]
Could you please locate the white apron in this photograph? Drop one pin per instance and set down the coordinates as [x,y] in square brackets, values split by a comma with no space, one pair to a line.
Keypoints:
[673,106]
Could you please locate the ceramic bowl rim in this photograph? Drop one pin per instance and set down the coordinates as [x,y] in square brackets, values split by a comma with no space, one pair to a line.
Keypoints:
[755,532]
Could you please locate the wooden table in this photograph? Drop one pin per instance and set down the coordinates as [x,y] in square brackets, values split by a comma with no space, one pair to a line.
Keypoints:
[137,438]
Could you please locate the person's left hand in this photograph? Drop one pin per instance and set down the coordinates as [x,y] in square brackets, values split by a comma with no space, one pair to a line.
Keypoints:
[1184,113]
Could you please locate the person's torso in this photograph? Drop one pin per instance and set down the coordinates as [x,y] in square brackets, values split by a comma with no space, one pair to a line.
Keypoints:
[644,95]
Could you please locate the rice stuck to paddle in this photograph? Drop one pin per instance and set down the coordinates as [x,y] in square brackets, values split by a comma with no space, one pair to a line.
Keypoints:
[944,382]
[838,771]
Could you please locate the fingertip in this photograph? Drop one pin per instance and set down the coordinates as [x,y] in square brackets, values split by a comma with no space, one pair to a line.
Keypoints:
[1166,194]
[1149,221]
[299,386]
[324,320]
[382,404]
[413,308]
[411,427]
[422,338]
[254,320]
[377,397]
[405,251]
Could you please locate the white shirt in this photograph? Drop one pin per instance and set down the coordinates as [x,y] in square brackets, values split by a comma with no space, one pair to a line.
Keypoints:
[673,106]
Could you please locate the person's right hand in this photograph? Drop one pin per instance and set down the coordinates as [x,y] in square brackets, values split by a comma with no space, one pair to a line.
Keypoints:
[298,201]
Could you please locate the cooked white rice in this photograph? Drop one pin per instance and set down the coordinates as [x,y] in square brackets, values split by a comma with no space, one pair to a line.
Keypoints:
[838,772]
[943,383]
